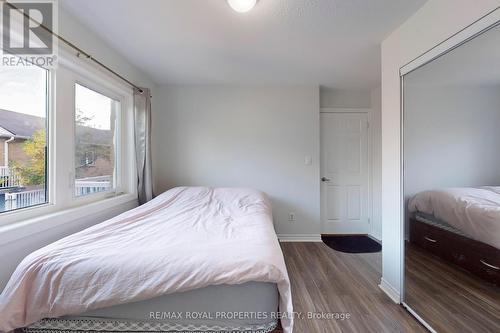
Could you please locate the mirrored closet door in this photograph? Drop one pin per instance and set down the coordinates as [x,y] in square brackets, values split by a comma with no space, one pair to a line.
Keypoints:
[451,181]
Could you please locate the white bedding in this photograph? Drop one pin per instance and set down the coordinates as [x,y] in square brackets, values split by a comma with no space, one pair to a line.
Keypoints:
[473,210]
[186,238]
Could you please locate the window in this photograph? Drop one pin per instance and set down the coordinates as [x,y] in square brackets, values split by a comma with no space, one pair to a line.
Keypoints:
[96,129]
[66,140]
[23,137]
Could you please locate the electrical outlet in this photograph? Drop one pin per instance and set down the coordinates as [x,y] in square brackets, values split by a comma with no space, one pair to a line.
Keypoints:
[291,217]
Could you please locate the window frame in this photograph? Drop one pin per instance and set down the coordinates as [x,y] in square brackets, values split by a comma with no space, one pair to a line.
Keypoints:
[49,137]
[60,159]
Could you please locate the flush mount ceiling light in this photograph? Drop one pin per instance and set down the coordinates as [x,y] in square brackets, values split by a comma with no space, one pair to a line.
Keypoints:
[242,6]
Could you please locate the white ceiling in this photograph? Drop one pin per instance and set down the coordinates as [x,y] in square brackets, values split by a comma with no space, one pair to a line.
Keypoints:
[333,43]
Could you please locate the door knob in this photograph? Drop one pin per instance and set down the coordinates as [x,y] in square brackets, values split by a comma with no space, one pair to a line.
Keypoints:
[324,179]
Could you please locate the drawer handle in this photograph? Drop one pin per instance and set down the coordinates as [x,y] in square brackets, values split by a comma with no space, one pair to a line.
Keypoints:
[430,239]
[489,265]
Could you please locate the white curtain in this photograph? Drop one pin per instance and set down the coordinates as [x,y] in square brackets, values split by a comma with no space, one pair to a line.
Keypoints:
[142,121]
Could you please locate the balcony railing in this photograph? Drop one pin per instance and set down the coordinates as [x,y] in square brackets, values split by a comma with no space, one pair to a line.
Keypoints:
[4,171]
[24,199]
[8,178]
[21,199]
[90,185]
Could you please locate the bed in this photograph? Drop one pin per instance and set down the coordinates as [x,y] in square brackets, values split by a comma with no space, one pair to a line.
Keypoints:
[461,226]
[193,259]
[191,311]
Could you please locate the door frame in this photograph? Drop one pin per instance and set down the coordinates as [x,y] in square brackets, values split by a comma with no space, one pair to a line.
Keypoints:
[369,113]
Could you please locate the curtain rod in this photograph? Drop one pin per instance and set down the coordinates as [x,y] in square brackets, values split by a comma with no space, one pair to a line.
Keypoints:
[76,48]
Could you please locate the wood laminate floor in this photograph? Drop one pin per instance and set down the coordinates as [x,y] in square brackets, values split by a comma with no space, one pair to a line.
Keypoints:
[326,281]
[460,301]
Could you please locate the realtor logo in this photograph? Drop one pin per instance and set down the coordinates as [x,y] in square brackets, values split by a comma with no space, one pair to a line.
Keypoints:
[27,37]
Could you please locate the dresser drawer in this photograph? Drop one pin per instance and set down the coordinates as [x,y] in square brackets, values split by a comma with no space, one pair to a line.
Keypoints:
[485,262]
[439,242]
[475,257]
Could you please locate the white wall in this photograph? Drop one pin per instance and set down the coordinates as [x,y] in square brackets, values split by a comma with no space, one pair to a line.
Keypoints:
[257,137]
[75,32]
[432,24]
[452,136]
[376,106]
[18,240]
[243,136]
[337,98]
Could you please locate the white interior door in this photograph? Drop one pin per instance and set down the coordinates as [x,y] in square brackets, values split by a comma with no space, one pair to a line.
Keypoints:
[345,173]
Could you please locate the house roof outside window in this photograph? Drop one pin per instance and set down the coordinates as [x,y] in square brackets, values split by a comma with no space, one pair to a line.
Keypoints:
[22,126]
[19,125]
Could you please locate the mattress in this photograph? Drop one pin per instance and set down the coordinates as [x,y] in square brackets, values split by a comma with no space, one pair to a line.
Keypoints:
[184,240]
[249,307]
[474,211]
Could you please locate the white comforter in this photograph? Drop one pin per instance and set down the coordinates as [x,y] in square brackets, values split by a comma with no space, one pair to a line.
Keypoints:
[186,238]
[473,210]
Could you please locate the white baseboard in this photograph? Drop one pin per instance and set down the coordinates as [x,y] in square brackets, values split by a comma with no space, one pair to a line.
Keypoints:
[392,292]
[299,237]
[375,238]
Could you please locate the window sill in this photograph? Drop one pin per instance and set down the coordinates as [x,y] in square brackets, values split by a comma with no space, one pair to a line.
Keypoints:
[18,230]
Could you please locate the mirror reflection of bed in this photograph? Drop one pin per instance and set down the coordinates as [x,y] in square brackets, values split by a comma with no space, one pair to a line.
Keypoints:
[452,188]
